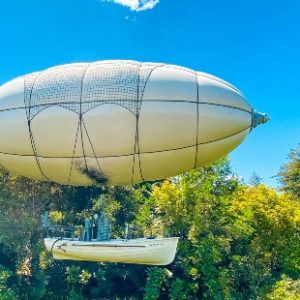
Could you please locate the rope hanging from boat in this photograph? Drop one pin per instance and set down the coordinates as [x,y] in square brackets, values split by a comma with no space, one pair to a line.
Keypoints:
[59,239]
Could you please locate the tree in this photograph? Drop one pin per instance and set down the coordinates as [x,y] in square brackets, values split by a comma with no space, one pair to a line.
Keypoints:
[255,179]
[289,174]
[194,206]
[237,241]
[6,293]
[265,238]
[286,289]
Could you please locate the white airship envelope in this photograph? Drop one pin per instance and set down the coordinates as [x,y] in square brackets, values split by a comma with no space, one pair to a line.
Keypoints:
[118,122]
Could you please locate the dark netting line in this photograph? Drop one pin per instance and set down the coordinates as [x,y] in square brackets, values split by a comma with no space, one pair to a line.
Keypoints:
[74,150]
[108,82]
[29,82]
[145,72]
[28,86]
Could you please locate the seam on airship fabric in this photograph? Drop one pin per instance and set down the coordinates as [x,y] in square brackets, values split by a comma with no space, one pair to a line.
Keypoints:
[103,102]
[197,129]
[12,108]
[46,106]
[194,102]
[190,146]
[29,121]
[74,149]
[146,152]
[138,115]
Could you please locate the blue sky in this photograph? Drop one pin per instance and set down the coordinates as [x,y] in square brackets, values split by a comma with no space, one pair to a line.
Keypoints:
[254,45]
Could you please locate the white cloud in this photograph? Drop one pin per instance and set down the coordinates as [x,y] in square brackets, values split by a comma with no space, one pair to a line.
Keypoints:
[136,5]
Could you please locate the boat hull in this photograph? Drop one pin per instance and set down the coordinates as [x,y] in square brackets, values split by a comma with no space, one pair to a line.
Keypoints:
[139,251]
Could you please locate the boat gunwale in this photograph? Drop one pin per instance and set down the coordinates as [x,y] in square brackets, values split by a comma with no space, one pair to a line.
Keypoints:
[77,242]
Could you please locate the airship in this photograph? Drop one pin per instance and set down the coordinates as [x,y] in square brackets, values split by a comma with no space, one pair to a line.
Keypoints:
[119,122]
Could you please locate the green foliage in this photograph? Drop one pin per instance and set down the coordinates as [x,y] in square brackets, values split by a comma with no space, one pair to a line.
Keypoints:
[268,225]
[6,293]
[156,279]
[237,241]
[289,174]
[286,289]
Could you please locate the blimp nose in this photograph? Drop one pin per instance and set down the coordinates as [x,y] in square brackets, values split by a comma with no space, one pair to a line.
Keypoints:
[259,118]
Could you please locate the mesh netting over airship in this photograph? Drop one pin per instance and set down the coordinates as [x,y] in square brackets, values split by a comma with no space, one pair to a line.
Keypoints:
[125,121]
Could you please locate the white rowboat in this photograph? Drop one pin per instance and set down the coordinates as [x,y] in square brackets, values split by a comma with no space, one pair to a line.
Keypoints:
[159,251]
